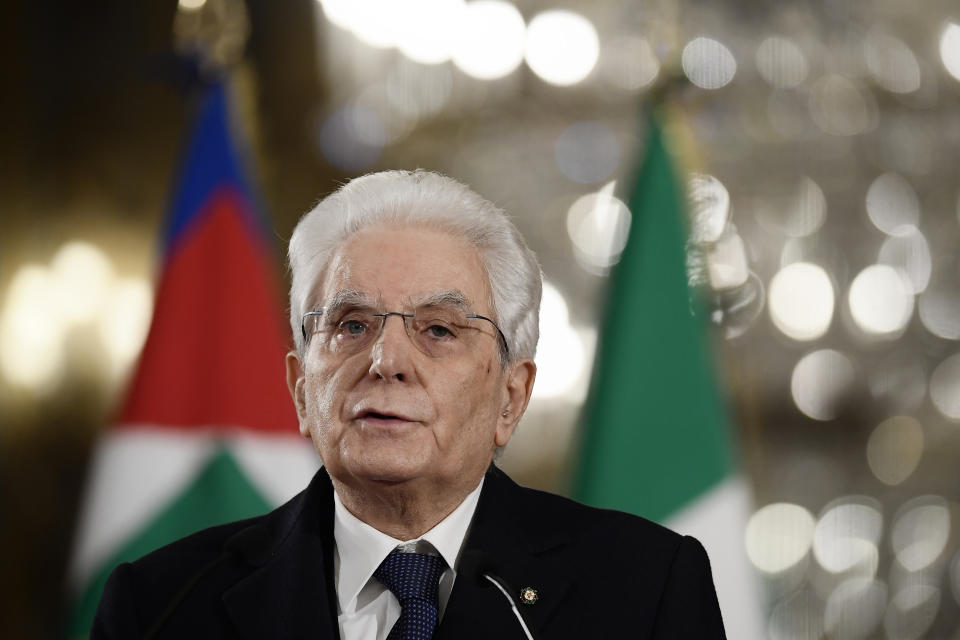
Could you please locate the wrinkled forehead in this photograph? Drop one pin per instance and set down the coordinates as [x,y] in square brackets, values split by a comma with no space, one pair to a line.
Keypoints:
[393,267]
[351,299]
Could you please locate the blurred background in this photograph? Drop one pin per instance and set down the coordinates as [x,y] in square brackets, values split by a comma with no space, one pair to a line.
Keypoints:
[820,143]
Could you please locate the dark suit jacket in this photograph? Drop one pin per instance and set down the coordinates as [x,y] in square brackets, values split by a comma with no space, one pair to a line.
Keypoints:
[599,574]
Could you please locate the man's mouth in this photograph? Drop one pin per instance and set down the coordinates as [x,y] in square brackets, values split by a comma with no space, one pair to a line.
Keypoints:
[380,416]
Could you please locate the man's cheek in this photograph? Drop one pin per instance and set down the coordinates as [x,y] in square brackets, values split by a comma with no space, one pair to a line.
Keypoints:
[324,408]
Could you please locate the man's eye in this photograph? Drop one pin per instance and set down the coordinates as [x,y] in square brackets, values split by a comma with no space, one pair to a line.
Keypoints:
[353,327]
[439,331]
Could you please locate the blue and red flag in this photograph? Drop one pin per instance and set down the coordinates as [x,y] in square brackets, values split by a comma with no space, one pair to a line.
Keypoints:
[207,432]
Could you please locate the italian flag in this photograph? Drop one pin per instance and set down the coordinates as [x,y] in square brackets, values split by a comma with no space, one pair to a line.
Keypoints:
[656,441]
[207,432]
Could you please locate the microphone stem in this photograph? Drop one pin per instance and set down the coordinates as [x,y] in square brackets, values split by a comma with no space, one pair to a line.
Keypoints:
[513,605]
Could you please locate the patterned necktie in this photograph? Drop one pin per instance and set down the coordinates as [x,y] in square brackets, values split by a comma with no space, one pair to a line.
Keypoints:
[414,579]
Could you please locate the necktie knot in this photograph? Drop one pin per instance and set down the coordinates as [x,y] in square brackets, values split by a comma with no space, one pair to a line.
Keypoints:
[414,579]
[411,575]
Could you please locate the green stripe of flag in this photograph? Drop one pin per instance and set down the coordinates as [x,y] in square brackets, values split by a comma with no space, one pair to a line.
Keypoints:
[219,493]
[654,432]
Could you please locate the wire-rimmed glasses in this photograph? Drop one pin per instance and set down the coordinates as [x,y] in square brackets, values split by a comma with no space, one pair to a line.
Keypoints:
[437,330]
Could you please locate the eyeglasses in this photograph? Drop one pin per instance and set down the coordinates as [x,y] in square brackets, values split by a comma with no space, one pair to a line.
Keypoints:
[438,331]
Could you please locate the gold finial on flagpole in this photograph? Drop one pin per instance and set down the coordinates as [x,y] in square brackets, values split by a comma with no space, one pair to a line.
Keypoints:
[214,32]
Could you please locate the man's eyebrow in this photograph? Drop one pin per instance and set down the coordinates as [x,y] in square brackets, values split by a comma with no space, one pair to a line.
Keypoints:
[352,298]
[348,298]
[450,297]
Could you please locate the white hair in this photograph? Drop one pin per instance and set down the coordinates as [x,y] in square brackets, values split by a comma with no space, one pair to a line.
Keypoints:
[433,201]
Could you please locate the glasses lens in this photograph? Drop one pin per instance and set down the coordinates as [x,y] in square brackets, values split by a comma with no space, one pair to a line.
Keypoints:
[438,331]
[443,332]
[354,330]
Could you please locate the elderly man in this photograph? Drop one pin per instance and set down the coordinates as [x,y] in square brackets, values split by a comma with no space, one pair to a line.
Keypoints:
[414,310]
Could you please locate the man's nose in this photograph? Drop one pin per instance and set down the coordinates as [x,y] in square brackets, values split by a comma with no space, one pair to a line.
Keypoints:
[392,353]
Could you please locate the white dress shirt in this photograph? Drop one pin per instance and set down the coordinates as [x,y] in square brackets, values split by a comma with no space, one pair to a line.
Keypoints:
[367,609]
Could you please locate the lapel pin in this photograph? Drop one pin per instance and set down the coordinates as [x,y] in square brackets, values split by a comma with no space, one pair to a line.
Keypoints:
[528,595]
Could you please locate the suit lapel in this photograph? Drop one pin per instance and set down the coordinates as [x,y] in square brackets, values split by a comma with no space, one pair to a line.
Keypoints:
[290,592]
[524,550]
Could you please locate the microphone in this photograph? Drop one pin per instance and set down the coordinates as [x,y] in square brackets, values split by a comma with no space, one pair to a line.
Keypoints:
[479,567]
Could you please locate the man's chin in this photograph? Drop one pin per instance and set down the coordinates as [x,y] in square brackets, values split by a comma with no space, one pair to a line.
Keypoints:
[388,472]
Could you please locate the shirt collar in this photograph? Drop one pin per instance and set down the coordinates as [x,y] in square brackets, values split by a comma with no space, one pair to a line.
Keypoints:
[361,548]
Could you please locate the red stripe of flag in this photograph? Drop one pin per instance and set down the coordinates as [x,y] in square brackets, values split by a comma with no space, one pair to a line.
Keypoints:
[214,354]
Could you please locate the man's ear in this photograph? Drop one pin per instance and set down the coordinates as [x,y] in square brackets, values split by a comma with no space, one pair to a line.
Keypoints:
[295,383]
[517,389]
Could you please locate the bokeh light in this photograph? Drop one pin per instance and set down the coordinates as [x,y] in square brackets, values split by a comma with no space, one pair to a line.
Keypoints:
[375,22]
[912,611]
[846,537]
[822,380]
[801,301]
[778,536]
[430,29]
[338,12]
[892,205]
[950,49]
[352,138]
[397,123]
[78,290]
[799,616]
[855,608]
[629,62]
[708,63]
[82,274]
[781,62]
[31,330]
[881,301]
[124,321]
[797,212]
[894,449]
[416,91]
[561,357]
[191,5]
[910,255]
[587,152]
[840,107]
[807,211]
[939,310]
[945,387]
[891,62]
[491,43]
[598,224]
[920,532]
[562,46]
